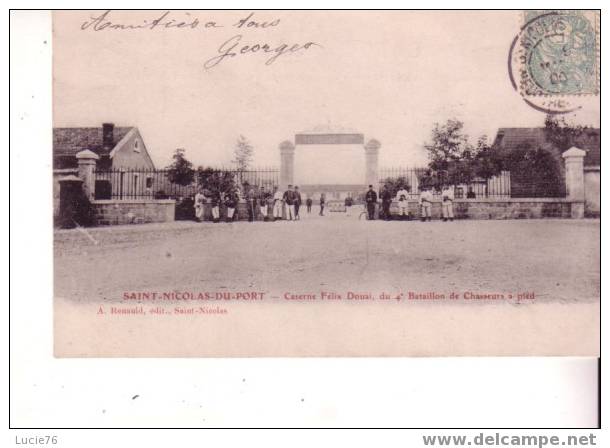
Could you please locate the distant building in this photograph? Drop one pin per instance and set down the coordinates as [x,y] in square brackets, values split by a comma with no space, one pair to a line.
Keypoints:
[117,147]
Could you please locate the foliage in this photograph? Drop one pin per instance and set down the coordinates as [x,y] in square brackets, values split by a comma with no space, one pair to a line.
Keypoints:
[216,181]
[394,184]
[448,145]
[181,170]
[185,209]
[487,161]
[563,135]
[243,154]
[539,167]
[453,160]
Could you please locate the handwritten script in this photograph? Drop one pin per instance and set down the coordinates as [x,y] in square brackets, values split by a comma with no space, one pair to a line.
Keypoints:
[233,48]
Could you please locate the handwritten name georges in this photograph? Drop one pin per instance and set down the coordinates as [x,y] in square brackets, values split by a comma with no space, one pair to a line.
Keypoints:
[233,47]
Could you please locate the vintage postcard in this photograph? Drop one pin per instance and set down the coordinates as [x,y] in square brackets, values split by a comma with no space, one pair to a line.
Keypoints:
[326,183]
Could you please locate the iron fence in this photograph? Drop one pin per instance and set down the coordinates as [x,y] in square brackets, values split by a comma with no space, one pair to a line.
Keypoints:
[156,184]
[496,187]
[138,183]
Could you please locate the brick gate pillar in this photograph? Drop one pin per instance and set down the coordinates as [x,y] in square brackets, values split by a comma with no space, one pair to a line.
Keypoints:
[371,149]
[86,167]
[286,164]
[575,180]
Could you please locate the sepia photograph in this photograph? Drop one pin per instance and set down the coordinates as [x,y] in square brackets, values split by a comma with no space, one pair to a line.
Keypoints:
[326,183]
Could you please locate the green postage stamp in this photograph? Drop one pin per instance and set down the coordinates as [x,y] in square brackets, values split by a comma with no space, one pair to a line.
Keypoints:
[556,54]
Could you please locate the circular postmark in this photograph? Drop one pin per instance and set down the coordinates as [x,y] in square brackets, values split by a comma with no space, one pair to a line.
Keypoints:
[553,61]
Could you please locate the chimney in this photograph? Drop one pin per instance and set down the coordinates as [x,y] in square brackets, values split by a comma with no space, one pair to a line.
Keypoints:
[108,135]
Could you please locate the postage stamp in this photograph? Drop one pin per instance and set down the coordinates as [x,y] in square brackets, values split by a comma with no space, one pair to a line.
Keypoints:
[556,54]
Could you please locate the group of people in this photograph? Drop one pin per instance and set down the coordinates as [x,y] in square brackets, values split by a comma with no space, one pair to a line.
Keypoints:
[229,199]
[272,206]
[426,198]
[277,205]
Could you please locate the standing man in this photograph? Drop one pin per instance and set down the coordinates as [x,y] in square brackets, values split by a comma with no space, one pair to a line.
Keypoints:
[263,197]
[289,201]
[215,201]
[277,204]
[403,203]
[297,202]
[386,202]
[322,203]
[371,202]
[425,201]
[309,203]
[447,204]
[251,203]
[199,200]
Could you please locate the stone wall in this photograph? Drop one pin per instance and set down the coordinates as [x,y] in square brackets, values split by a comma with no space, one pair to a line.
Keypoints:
[113,212]
[498,208]
[529,208]
[592,191]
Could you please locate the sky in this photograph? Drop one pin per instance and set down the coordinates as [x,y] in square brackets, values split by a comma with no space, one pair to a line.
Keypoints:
[388,75]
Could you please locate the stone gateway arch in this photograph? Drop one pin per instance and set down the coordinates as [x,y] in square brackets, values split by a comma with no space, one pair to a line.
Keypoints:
[287,153]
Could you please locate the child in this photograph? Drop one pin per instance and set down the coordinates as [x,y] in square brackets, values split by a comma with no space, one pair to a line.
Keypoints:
[309,203]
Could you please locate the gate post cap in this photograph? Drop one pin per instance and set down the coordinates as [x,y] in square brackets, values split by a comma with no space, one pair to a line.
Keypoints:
[87,154]
[372,145]
[286,145]
[573,152]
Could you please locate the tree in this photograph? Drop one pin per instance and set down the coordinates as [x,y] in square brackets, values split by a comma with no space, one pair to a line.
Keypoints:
[535,172]
[448,145]
[394,184]
[181,170]
[488,161]
[563,135]
[243,153]
[450,154]
[216,181]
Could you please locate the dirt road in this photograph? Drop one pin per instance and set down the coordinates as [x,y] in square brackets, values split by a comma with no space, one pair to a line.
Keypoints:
[558,260]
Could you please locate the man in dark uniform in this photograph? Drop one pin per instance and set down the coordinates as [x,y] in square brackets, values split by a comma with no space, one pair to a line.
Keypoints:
[289,198]
[215,201]
[263,200]
[297,202]
[371,202]
[386,202]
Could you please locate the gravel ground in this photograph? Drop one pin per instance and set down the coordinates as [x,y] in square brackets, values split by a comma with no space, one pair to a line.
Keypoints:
[558,260]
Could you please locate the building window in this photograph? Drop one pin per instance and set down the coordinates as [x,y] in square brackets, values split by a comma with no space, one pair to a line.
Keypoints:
[136,146]
[149,181]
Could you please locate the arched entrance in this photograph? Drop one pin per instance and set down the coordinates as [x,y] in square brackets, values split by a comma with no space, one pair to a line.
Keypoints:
[371,154]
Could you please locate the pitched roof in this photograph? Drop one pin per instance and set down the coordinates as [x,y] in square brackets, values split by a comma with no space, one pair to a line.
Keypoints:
[511,138]
[69,141]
